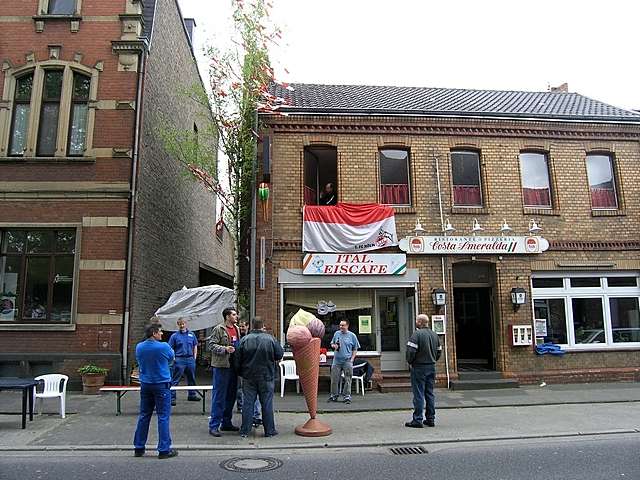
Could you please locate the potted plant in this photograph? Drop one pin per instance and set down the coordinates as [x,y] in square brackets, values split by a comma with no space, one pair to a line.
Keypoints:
[92,378]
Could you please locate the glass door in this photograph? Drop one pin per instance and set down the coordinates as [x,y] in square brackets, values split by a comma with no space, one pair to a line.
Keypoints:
[392,331]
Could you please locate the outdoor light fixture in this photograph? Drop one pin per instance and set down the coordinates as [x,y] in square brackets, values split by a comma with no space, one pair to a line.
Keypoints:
[505,228]
[439,297]
[418,230]
[447,228]
[534,229]
[476,227]
[518,297]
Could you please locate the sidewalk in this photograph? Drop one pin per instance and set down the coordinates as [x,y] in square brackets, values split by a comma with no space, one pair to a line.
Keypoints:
[527,412]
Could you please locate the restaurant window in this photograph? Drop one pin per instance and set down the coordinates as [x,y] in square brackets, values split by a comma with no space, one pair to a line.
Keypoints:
[320,170]
[536,187]
[465,173]
[590,311]
[601,182]
[36,275]
[332,305]
[394,177]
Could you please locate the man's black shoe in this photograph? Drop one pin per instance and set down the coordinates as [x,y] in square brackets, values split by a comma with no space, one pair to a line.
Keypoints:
[332,399]
[193,399]
[230,428]
[257,422]
[138,453]
[429,423]
[171,453]
[215,433]
[271,434]
[173,403]
[413,424]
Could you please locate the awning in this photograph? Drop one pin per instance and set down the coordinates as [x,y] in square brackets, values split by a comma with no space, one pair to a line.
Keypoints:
[202,307]
[293,278]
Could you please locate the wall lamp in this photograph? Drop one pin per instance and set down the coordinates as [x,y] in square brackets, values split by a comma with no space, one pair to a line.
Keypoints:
[518,297]
[439,297]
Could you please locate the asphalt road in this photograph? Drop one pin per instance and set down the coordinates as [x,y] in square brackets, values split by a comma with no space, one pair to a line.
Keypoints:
[590,458]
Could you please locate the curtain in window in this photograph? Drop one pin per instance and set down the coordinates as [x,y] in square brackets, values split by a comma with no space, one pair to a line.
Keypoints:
[78,134]
[19,130]
[466,195]
[539,197]
[394,194]
[603,198]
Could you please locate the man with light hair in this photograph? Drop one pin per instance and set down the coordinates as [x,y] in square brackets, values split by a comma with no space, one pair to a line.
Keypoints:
[423,351]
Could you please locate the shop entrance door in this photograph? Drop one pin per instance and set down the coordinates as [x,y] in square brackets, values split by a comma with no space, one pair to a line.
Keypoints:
[474,337]
[392,329]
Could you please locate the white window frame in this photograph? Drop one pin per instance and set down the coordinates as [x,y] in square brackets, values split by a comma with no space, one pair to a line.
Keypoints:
[567,293]
[38,69]
[408,163]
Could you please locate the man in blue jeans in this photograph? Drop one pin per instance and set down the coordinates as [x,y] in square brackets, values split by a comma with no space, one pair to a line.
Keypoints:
[223,342]
[255,360]
[185,346]
[153,356]
[423,351]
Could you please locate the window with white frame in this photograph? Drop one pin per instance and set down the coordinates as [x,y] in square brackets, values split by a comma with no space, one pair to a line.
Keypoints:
[465,175]
[395,187]
[602,183]
[59,7]
[536,187]
[588,310]
[51,110]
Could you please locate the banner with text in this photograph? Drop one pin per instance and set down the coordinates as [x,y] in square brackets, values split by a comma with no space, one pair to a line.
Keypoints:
[354,264]
[474,245]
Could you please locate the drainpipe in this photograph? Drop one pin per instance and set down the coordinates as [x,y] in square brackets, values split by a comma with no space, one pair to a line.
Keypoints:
[442,265]
[252,252]
[132,211]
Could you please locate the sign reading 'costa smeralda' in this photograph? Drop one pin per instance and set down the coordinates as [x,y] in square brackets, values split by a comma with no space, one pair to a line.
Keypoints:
[474,245]
[354,264]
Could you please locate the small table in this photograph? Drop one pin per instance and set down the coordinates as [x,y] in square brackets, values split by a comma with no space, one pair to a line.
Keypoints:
[28,387]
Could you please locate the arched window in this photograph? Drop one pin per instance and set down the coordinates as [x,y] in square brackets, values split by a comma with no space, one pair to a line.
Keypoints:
[21,113]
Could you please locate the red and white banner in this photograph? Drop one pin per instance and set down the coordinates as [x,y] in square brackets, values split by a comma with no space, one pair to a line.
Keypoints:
[348,227]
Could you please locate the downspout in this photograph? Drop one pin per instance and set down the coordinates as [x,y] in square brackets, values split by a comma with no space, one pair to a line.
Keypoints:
[132,211]
[442,264]
[252,252]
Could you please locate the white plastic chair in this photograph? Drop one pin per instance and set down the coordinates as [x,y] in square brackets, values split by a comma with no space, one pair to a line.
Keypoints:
[359,379]
[288,372]
[55,385]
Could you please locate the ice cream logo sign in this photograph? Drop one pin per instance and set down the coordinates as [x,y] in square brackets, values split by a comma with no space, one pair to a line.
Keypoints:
[354,264]
[474,245]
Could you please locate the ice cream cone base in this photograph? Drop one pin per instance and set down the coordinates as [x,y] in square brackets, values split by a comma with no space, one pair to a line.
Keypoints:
[313,428]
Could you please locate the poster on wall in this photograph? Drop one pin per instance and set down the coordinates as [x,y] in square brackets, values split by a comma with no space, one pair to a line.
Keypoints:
[364,324]
[541,327]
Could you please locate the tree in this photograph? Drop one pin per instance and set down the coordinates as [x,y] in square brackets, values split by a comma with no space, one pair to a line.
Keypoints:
[239,81]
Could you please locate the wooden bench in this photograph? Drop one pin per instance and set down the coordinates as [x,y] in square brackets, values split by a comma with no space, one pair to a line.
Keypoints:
[121,391]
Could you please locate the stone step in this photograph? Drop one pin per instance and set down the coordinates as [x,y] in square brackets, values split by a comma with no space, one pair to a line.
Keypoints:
[387,386]
[486,384]
[479,375]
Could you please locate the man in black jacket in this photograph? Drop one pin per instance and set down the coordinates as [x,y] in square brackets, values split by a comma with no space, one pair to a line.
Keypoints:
[255,361]
[423,351]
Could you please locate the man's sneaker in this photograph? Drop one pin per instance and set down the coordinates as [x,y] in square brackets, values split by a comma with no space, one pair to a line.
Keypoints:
[193,399]
[413,424]
[332,399]
[138,453]
[173,402]
[171,453]
[347,401]
[215,433]
[429,423]
[229,428]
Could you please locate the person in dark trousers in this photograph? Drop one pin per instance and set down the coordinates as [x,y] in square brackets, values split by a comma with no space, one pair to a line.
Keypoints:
[223,343]
[255,361]
[153,356]
[328,195]
[423,351]
[243,325]
[185,346]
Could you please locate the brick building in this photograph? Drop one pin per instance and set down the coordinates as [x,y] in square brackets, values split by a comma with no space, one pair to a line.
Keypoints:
[548,180]
[98,225]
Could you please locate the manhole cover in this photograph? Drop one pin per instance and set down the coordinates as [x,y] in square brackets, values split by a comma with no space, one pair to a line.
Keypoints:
[251,464]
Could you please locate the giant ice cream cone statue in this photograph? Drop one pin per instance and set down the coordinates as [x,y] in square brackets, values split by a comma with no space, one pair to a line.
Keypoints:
[306,353]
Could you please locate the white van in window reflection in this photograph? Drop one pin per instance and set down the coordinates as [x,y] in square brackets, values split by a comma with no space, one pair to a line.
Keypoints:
[620,335]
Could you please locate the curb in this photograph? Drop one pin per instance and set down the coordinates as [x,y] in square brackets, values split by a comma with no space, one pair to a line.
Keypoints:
[289,446]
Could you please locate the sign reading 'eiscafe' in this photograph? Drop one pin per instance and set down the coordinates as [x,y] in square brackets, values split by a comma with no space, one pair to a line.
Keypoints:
[474,245]
[354,264]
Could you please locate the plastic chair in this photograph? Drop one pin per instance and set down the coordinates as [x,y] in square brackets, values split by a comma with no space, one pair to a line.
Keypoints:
[359,379]
[55,385]
[288,372]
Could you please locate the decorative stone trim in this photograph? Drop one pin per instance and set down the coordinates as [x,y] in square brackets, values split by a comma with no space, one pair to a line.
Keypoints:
[577,245]
[131,26]
[105,221]
[469,210]
[25,187]
[99,319]
[287,245]
[541,211]
[122,153]
[128,52]
[608,213]
[103,264]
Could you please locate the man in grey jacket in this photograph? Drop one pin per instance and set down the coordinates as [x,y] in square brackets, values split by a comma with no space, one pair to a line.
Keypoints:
[423,351]
[255,361]
[223,343]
